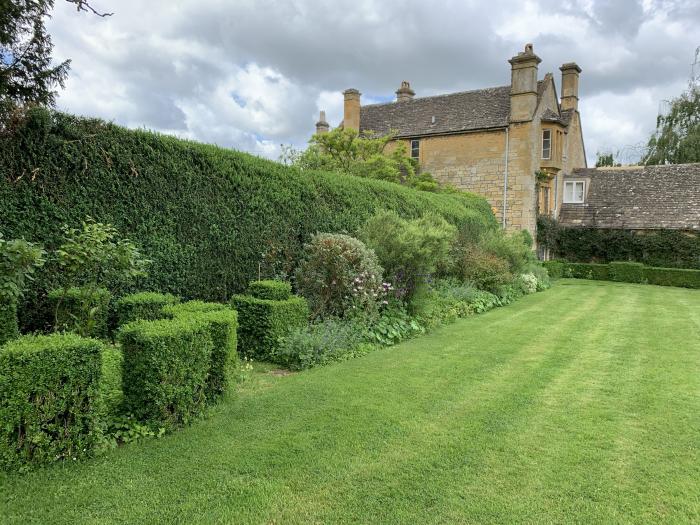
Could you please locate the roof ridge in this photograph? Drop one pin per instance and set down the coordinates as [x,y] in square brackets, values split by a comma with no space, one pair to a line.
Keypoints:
[415,99]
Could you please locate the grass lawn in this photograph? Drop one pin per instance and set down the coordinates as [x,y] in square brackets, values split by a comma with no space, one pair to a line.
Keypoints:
[577,405]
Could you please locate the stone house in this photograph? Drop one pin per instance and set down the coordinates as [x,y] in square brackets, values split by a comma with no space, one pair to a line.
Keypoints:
[512,144]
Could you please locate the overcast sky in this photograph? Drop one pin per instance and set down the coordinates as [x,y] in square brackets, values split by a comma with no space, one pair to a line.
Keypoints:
[253,74]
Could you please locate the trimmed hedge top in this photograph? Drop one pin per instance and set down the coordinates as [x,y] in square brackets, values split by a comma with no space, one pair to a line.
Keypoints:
[208,217]
[270,289]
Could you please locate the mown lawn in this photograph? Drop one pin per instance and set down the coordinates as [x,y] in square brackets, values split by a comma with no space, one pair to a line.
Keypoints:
[577,405]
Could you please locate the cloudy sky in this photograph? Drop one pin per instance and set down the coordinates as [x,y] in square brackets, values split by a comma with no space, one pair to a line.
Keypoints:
[253,74]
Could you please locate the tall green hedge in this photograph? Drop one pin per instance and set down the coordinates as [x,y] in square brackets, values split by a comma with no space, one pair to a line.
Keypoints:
[209,218]
[8,322]
[48,398]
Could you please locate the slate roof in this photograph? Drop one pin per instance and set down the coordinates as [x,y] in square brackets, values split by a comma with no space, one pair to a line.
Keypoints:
[651,197]
[457,112]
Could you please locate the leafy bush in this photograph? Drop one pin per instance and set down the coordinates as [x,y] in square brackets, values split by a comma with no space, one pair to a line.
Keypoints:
[555,269]
[222,322]
[626,272]
[514,247]
[600,272]
[270,289]
[48,398]
[18,262]
[110,386]
[186,204]
[321,343]
[263,323]
[528,283]
[672,277]
[147,306]
[392,326]
[83,310]
[409,250]
[339,274]
[485,270]
[166,364]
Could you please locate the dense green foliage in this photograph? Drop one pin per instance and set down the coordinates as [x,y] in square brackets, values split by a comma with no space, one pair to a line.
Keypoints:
[209,218]
[8,322]
[222,323]
[147,306]
[166,363]
[677,136]
[626,272]
[82,310]
[339,275]
[662,248]
[270,289]
[578,405]
[48,393]
[263,323]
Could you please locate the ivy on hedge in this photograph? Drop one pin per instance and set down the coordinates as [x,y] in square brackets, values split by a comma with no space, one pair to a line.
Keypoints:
[48,397]
[658,248]
[208,217]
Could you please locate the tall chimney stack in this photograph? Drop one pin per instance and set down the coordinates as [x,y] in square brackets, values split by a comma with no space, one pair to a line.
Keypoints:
[523,84]
[404,93]
[322,126]
[569,85]
[351,109]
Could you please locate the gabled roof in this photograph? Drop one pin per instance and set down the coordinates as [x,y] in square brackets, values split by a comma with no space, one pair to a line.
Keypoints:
[456,112]
[640,198]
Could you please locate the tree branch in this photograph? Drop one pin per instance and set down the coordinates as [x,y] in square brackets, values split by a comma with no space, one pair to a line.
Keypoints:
[84,5]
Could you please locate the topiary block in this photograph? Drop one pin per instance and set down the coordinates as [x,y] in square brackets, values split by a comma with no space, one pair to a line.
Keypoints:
[147,306]
[270,289]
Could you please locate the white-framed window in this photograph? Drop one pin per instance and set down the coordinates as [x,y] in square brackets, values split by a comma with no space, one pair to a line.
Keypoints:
[574,191]
[415,149]
[546,143]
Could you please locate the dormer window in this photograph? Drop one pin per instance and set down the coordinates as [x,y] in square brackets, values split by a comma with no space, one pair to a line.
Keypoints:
[546,143]
[415,149]
[574,191]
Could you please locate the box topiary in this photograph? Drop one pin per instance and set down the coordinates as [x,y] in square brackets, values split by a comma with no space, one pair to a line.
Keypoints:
[81,310]
[270,289]
[146,306]
[166,364]
[48,394]
[263,322]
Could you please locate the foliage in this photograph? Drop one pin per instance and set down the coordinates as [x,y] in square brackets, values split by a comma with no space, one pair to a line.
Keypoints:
[270,289]
[528,283]
[604,160]
[263,323]
[599,272]
[626,272]
[555,269]
[211,219]
[321,343]
[19,261]
[677,136]
[393,325]
[484,269]
[662,248]
[83,310]
[166,364]
[48,396]
[409,250]
[8,322]
[672,277]
[147,306]
[339,275]
[513,247]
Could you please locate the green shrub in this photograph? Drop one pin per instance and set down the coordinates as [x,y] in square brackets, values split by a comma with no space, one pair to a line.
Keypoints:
[393,325]
[110,388]
[166,364]
[48,398]
[147,306]
[8,322]
[409,250]
[515,248]
[338,275]
[210,218]
[270,289]
[263,323]
[222,322]
[320,344]
[485,270]
[555,269]
[598,272]
[626,272]
[672,277]
[84,311]
[528,283]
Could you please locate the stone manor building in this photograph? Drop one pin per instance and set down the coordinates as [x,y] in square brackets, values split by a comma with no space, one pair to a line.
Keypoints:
[516,145]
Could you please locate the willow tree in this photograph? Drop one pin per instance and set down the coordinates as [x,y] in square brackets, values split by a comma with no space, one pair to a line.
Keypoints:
[677,136]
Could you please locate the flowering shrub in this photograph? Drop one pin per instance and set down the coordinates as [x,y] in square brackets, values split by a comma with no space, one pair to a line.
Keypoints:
[339,274]
[528,283]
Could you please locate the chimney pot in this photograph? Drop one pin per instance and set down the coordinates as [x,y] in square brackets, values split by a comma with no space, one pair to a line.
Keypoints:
[404,93]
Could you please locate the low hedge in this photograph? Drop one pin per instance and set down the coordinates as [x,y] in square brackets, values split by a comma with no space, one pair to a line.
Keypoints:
[598,272]
[270,289]
[72,308]
[626,272]
[555,269]
[165,369]
[8,322]
[49,386]
[222,322]
[672,277]
[264,322]
[147,306]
